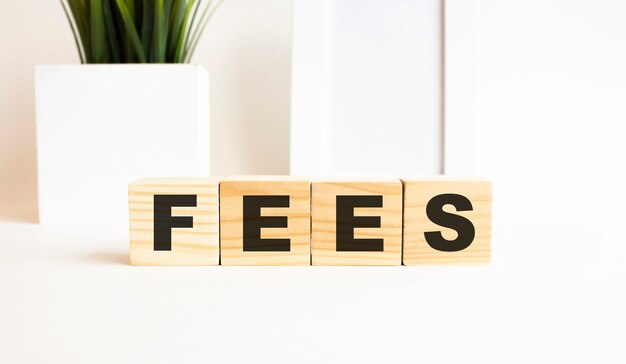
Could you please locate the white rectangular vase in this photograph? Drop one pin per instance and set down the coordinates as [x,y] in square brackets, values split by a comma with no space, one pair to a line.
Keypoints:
[101,126]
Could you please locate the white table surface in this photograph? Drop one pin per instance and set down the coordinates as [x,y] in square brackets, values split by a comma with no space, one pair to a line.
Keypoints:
[68,295]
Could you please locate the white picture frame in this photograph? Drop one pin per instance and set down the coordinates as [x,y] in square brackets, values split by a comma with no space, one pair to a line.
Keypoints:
[309,122]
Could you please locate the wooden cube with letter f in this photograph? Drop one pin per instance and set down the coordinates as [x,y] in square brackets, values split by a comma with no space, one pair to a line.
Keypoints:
[265,220]
[174,221]
[356,222]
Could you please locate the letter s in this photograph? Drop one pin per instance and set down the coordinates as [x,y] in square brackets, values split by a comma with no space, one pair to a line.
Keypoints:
[464,227]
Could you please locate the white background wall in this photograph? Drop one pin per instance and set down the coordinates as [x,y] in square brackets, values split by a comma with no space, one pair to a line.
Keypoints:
[246,48]
[551,99]
[553,122]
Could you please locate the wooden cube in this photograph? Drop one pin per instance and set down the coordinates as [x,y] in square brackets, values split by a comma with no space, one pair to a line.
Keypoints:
[174,221]
[265,220]
[356,222]
[447,221]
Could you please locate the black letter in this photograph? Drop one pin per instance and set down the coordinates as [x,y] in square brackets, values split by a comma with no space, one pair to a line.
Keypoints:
[346,222]
[253,222]
[464,227]
[164,221]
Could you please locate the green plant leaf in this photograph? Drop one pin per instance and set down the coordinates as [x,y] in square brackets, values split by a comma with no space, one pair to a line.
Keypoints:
[204,20]
[180,42]
[192,25]
[147,26]
[81,19]
[113,45]
[176,22]
[98,36]
[131,32]
[74,33]
[158,44]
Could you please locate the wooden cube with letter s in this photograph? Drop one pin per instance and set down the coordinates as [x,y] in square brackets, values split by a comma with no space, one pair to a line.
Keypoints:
[174,221]
[447,221]
[265,220]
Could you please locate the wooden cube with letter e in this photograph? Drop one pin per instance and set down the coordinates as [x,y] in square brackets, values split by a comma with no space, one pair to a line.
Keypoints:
[174,221]
[447,221]
[356,222]
[265,220]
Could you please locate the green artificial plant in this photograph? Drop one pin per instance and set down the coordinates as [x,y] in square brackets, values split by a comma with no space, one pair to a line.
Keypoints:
[137,31]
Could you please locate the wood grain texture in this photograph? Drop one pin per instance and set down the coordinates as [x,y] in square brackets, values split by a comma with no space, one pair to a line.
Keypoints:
[324,224]
[298,216]
[198,245]
[417,194]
